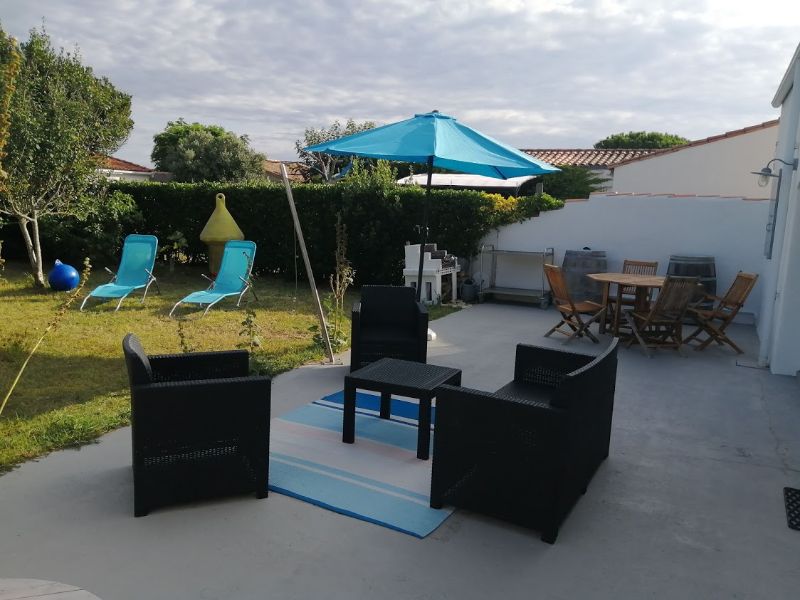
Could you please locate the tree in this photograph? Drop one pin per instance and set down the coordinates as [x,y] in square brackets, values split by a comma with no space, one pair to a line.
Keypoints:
[197,152]
[10,61]
[641,139]
[571,182]
[63,120]
[323,166]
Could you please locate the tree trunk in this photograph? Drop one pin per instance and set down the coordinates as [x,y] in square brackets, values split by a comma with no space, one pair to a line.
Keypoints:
[34,248]
[39,275]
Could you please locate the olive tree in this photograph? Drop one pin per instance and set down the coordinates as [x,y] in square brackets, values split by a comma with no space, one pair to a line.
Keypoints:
[10,60]
[63,121]
[317,165]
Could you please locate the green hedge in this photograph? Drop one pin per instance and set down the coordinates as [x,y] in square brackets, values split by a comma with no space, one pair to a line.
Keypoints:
[379,218]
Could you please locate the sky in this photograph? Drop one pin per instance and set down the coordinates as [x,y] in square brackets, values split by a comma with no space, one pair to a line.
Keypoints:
[532,73]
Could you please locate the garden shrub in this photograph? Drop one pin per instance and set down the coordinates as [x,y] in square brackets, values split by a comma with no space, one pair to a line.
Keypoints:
[97,230]
[380,218]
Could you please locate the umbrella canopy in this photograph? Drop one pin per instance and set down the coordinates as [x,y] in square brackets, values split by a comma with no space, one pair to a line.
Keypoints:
[436,140]
[451,144]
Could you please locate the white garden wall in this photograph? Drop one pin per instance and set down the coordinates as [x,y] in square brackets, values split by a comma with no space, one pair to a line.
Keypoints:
[721,167]
[643,227]
[780,327]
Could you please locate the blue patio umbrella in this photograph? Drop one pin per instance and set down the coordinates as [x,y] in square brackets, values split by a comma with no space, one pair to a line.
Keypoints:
[436,140]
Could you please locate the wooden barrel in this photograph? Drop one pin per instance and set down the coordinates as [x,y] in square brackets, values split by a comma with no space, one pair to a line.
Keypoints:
[702,267]
[577,263]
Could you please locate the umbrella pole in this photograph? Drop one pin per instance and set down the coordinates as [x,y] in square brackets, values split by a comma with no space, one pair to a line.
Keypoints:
[320,313]
[424,229]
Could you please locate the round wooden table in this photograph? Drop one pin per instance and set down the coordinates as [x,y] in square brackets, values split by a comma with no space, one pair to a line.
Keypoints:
[30,589]
[642,284]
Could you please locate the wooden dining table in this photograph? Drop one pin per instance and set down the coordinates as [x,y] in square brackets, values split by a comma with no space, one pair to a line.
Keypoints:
[641,283]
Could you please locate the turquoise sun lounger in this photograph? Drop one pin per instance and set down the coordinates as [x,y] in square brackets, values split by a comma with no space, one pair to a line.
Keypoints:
[233,278]
[135,270]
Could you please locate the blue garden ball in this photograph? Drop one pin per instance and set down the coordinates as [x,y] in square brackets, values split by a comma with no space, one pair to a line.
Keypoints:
[63,278]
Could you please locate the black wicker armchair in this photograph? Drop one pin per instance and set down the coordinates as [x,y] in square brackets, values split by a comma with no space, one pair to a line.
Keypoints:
[200,425]
[388,323]
[528,451]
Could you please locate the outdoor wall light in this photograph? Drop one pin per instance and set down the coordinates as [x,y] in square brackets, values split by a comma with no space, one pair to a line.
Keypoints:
[765,173]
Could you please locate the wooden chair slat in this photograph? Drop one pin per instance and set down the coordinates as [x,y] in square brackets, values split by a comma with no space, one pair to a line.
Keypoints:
[715,321]
[570,311]
[662,326]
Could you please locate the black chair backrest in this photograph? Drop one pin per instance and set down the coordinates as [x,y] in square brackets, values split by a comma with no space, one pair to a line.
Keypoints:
[583,384]
[388,305]
[139,371]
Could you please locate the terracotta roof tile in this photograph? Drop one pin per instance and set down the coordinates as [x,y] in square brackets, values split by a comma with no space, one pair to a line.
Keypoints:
[117,164]
[587,157]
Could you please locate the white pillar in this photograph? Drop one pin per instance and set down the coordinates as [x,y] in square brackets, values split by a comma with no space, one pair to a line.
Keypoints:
[779,326]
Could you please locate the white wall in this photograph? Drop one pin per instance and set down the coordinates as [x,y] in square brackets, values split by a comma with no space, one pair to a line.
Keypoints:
[643,227]
[781,329]
[719,168]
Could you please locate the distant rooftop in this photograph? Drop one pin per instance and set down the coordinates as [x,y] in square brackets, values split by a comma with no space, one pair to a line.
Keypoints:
[117,164]
[592,158]
[272,169]
[459,180]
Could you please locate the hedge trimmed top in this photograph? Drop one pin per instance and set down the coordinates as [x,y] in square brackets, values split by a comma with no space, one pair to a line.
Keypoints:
[380,219]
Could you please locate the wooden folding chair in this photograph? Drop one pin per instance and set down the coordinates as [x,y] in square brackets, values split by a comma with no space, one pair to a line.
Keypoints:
[714,322]
[662,325]
[636,267]
[628,293]
[570,311]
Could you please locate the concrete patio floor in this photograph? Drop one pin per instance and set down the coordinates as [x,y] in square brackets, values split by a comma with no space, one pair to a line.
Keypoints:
[688,505]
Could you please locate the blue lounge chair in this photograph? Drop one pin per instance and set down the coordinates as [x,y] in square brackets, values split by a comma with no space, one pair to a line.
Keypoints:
[135,270]
[233,278]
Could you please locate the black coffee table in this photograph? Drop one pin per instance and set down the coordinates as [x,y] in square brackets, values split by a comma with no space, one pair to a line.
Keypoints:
[404,378]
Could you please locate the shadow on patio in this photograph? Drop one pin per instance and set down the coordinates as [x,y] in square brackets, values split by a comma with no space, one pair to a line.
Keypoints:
[688,505]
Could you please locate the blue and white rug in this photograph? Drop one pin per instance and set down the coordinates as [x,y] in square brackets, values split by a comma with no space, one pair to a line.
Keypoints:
[377,479]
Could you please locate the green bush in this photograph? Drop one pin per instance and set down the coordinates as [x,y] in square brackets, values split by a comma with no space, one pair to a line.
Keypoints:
[96,230]
[380,219]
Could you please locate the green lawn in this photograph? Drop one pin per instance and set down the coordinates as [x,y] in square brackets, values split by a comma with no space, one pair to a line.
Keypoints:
[75,388]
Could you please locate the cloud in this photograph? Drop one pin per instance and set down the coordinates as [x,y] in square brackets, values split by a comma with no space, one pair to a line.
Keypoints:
[532,73]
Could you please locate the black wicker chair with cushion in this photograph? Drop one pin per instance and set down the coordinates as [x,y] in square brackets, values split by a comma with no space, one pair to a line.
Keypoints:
[527,452]
[388,323]
[200,425]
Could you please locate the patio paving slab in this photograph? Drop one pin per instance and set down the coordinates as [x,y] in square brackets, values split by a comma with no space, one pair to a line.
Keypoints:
[688,505]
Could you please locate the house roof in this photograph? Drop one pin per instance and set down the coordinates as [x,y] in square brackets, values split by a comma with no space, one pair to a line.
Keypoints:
[788,80]
[587,157]
[117,164]
[461,180]
[272,168]
[708,140]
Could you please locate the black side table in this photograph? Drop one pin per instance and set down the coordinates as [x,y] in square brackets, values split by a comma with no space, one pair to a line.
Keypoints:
[402,377]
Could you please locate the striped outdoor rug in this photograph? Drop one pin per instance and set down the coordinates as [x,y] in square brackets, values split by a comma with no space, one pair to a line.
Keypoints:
[378,479]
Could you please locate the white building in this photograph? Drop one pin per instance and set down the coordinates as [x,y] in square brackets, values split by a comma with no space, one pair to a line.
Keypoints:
[638,226]
[719,165]
[779,326]
[116,169]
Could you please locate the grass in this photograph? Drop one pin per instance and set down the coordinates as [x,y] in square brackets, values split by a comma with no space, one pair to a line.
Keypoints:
[75,388]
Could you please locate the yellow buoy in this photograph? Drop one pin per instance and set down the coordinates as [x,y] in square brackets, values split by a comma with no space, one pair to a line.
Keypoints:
[219,229]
